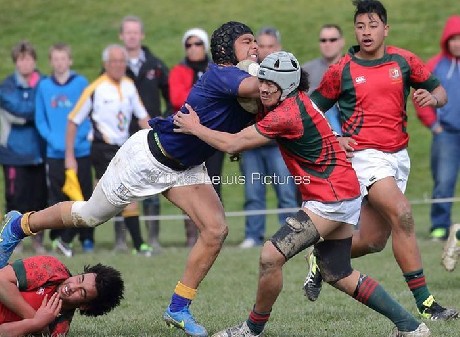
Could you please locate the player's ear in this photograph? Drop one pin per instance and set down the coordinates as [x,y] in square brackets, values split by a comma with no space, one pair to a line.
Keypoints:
[387,30]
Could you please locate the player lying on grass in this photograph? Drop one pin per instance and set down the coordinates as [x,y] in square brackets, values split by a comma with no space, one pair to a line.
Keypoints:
[39,295]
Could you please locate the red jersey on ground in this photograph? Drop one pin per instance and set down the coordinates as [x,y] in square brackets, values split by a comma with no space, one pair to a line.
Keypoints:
[310,149]
[372,96]
[39,276]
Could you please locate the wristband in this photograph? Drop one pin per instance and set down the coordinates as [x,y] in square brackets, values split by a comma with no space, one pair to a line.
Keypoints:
[437,102]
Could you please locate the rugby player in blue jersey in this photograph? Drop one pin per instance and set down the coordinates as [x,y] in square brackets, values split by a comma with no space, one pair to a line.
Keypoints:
[159,160]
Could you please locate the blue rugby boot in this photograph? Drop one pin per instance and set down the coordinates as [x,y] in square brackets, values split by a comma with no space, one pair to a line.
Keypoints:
[8,240]
[184,320]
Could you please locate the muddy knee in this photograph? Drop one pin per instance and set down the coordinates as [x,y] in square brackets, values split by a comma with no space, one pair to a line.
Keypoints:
[270,258]
[299,232]
[405,219]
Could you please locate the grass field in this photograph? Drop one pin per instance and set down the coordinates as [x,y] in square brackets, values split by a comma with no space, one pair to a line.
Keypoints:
[227,294]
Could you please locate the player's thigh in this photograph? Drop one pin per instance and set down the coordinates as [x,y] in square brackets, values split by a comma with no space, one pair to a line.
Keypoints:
[334,220]
[372,225]
[201,203]
[132,208]
[324,226]
[388,200]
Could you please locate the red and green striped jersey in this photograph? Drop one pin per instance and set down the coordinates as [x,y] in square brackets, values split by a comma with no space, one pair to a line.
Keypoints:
[372,96]
[311,151]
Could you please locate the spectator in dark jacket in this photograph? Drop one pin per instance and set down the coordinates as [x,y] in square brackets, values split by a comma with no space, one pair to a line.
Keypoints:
[150,75]
[21,147]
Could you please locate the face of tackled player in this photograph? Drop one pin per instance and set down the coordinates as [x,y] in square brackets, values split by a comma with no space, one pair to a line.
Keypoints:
[77,291]
[246,48]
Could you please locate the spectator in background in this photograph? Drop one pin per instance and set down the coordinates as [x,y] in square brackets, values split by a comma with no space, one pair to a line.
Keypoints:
[331,43]
[181,80]
[444,123]
[55,98]
[21,147]
[150,76]
[265,161]
[42,291]
[112,100]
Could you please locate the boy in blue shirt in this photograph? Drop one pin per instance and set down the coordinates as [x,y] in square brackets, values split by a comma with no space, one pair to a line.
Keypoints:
[55,98]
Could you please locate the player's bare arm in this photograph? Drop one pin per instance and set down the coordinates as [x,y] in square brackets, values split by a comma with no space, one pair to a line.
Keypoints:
[231,143]
[346,143]
[249,87]
[144,122]
[437,98]
[47,312]
[70,161]
[10,295]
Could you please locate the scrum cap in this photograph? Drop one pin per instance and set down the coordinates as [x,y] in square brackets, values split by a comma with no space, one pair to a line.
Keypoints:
[223,41]
[283,69]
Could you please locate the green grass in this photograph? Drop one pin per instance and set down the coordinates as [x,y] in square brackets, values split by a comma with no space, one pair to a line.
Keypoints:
[227,294]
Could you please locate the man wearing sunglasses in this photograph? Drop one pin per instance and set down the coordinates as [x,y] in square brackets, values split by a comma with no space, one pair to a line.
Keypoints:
[331,44]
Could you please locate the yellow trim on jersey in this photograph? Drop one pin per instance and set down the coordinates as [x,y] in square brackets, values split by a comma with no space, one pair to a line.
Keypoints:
[86,94]
[111,106]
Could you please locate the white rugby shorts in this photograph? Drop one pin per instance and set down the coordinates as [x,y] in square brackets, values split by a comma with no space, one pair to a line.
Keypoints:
[344,211]
[373,165]
[134,174]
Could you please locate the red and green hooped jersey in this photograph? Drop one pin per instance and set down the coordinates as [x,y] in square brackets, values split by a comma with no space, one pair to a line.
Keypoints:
[372,96]
[310,149]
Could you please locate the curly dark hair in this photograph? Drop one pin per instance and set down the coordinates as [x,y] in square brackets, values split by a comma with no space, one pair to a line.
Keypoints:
[369,7]
[110,288]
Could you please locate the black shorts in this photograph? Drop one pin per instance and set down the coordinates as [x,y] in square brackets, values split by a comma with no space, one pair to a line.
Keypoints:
[101,155]
[56,178]
[25,187]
